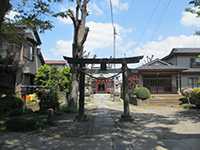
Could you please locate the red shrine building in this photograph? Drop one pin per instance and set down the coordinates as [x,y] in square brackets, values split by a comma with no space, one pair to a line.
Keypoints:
[103,84]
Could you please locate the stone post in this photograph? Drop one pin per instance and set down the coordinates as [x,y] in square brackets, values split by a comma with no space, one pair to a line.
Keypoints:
[125,96]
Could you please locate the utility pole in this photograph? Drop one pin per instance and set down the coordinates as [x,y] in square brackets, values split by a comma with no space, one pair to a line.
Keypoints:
[114,56]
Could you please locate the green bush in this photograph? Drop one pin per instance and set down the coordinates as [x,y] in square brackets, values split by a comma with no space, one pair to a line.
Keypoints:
[10,103]
[48,99]
[187,106]
[25,123]
[183,100]
[195,97]
[67,109]
[19,112]
[142,93]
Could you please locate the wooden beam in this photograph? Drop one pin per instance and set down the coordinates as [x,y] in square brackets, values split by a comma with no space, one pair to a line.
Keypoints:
[127,60]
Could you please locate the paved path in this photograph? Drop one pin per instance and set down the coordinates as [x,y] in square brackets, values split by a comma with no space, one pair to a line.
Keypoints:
[161,128]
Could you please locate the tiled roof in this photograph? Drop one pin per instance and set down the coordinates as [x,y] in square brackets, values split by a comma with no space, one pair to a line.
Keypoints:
[158,64]
[55,62]
[182,51]
[186,50]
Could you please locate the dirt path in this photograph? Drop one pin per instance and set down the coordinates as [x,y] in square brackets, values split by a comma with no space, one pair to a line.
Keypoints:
[159,128]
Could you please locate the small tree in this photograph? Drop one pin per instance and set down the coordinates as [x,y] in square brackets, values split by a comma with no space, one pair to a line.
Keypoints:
[195,9]
[65,82]
[52,80]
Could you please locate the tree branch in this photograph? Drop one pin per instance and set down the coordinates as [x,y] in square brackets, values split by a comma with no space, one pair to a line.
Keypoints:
[85,36]
[70,13]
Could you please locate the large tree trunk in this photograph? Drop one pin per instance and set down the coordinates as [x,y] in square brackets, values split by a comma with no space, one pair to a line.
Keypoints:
[80,36]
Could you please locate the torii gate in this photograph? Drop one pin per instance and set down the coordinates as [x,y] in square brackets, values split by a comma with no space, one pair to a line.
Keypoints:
[124,61]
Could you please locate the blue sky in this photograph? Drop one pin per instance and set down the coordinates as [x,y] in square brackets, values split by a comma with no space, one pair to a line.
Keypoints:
[145,27]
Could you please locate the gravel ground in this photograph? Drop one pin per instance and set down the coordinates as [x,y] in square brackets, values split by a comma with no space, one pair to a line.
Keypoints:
[152,128]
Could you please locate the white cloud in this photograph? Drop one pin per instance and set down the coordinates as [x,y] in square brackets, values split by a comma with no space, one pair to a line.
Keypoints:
[99,41]
[189,19]
[62,48]
[119,4]
[163,47]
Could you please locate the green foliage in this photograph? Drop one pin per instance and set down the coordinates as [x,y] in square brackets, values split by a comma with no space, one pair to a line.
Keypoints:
[67,109]
[191,96]
[48,99]
[187,106]
[10,103]
[47,77]
[183,100]
[19,112]
[142,93]
[65,79]
[25,123]
[195,97]
[35,14]
[195,9]
[52,79]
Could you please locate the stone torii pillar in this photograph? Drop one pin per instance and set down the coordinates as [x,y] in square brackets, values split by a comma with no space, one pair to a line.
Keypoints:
[81,111]
[125,95]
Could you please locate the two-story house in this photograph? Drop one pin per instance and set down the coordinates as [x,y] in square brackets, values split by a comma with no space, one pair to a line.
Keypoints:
[180,69]
[19,60]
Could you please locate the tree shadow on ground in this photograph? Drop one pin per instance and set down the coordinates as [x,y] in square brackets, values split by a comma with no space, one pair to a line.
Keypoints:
[190,114]
[104,130]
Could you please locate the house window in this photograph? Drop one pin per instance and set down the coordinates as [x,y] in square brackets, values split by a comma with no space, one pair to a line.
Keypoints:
[28,52]
[31,53]
[195,62]
[193,82]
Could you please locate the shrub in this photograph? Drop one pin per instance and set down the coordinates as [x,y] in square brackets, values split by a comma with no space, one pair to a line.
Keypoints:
[183,100]
[19,112]
[10,103]
[186,92]
[25,123]
[48,99]
[195,97]
[67,109]
[142,93]
[187,106]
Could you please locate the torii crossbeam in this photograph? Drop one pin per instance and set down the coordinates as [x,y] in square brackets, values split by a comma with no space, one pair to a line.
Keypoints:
[123,61]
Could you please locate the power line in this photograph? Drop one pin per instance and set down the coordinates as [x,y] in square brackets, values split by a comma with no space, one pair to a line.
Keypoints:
[114,29]
[150,19]
[114,42]
[156,29]
[111,13]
